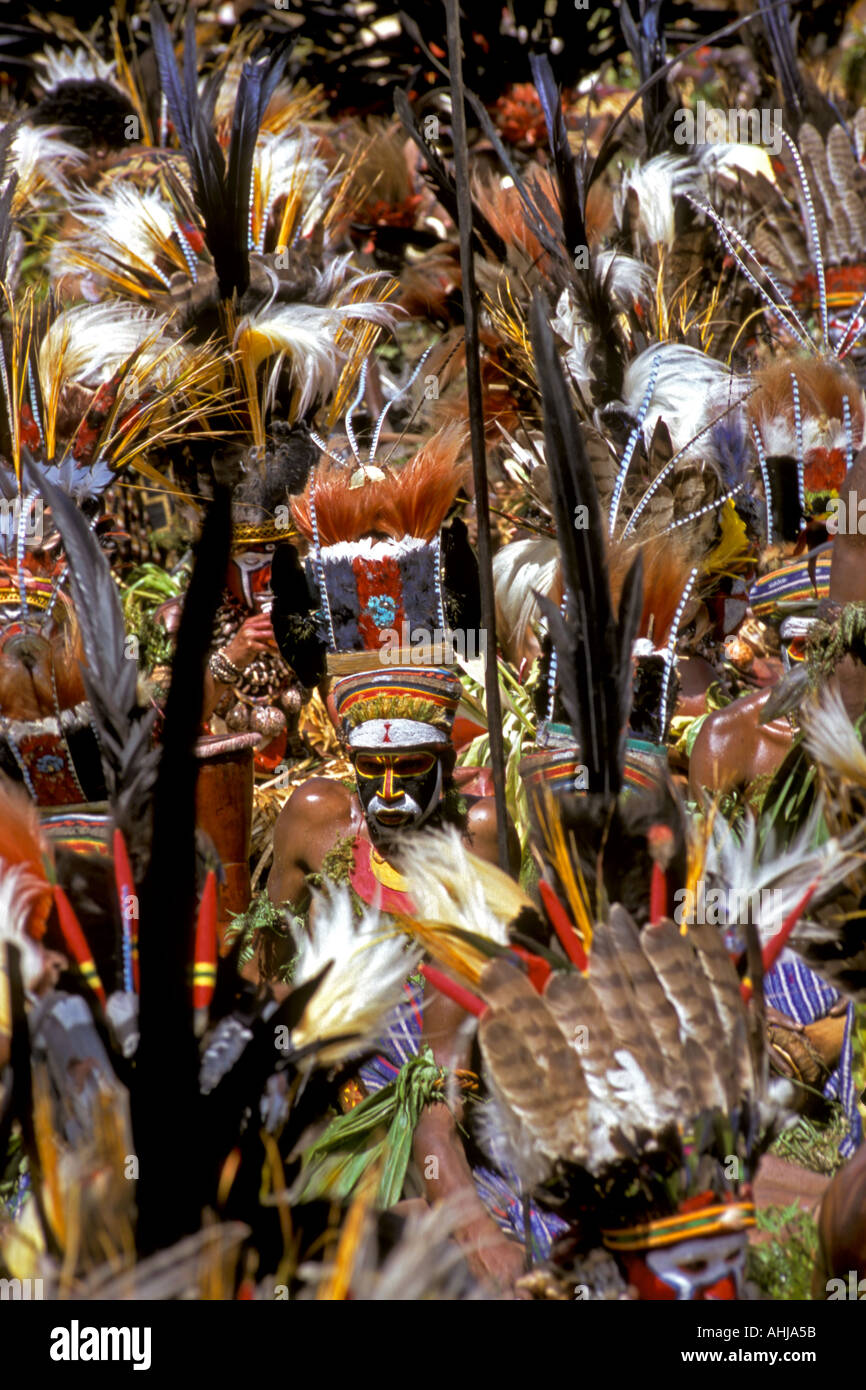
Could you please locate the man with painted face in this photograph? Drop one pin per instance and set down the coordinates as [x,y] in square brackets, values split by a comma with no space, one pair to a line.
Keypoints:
[698,1254]
[250,685]
[396,725]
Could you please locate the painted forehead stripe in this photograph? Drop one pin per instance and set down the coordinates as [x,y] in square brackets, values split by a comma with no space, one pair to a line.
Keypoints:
[398,733]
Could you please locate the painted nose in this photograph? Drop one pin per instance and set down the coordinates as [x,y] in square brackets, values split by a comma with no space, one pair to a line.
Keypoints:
[390,790]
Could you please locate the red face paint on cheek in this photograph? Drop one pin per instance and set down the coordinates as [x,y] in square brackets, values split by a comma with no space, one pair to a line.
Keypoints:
[725,1291]
[649,1287]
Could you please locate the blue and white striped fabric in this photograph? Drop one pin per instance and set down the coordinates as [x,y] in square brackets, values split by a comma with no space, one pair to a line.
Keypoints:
[795,990]
[499,1193]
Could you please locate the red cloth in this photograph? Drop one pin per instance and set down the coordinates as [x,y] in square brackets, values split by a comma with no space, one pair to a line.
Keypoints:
[368,887]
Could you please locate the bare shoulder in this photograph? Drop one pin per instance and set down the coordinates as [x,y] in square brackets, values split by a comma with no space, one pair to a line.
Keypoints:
[315,818]
[318,800]
[730,716]
[481,837]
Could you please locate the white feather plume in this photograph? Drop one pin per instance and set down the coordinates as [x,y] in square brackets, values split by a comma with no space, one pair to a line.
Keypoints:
[122,227]
[690,389]
[90,342]
[448,884]
[40,158]
[79,64]
[287,167]
[656,184]
[521,570]
[370,967]
[768,883]
[20,890]
[626,278]
[305,337]
[573,330]
[831,738]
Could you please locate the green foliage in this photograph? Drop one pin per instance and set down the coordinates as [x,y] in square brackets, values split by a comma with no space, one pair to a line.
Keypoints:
[829,643]
[518,734]
[264,930]
[782,1266]
[335,1163]
[852,66]
[789,800]
[147,587]
[814,1146]
[33,264]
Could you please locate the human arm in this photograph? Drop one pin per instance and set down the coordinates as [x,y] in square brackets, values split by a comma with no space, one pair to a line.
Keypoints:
[440,1156]
[254,636]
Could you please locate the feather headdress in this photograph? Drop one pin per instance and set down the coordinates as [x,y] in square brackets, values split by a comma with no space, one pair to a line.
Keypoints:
[624,1057]
[412,500]
[460,901]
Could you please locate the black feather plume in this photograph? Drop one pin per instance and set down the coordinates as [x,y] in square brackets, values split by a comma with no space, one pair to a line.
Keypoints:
[110,676]
[593,649]
[446,190]
[223,194]
[568,174]
[166,1093]
[780,37]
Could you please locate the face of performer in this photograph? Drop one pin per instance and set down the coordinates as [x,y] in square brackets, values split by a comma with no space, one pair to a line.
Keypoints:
[398,790]
[710,1267]
[249,575]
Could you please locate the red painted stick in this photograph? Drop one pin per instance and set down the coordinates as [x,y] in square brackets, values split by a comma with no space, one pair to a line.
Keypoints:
[562,925]
[773,948]
[450,988]
[658,904]
[204,966]
[537,968]
[128,902]
[77,942]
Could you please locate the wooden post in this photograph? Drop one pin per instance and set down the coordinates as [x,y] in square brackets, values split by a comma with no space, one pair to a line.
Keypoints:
[476,423]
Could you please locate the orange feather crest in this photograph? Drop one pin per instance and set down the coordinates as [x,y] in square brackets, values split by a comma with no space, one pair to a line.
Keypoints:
[409,501]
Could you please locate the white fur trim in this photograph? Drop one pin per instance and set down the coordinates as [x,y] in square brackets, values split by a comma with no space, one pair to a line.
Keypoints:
[367,549]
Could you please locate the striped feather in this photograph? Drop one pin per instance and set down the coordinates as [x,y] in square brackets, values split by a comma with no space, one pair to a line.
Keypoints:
[531,1065]
[672,958]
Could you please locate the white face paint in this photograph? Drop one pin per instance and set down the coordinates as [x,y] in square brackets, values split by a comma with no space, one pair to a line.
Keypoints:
[248,563]
[695,1265]
[374,735]
[385,819]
